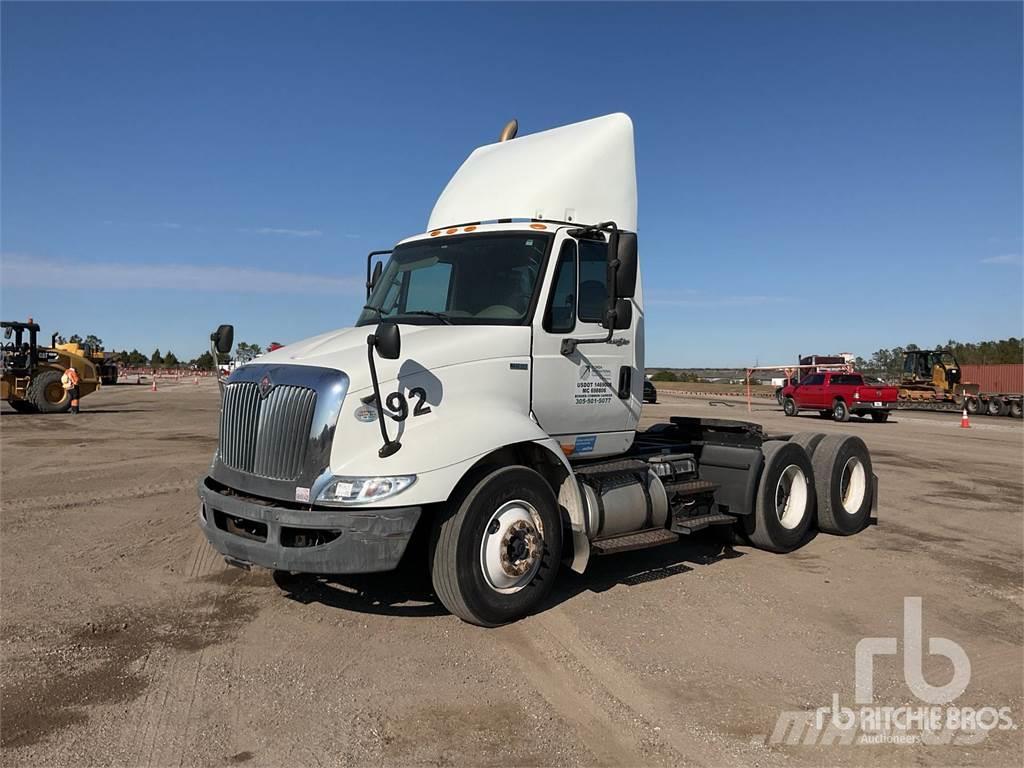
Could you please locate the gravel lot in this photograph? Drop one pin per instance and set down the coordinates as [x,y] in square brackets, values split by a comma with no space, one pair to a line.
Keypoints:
[126,640]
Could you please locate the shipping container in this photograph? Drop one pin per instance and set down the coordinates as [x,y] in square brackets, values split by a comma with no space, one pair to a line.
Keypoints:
[1005,379]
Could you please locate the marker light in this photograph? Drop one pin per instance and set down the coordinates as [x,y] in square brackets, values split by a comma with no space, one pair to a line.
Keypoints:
[362,490]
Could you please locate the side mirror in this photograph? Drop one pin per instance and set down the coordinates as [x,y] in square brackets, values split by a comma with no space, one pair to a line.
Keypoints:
[387,340]
[619,317]
[8,332]
[622,255]
[223,338]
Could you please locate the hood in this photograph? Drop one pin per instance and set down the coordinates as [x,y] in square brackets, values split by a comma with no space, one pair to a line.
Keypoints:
[431,347]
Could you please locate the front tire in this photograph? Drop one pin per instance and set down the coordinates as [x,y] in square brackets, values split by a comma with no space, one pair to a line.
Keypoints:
[495,551]
[46,392]
[784,508]
[789,407]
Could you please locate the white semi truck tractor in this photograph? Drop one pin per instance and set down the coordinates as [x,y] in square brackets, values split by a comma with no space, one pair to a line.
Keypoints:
[489,396]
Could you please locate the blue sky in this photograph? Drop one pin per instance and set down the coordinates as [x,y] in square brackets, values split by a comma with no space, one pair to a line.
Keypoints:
[813,178]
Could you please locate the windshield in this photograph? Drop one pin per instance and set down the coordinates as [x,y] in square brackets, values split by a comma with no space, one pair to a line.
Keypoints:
[467,280]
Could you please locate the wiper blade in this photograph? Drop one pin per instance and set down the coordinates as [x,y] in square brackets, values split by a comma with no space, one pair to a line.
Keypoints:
[439,315]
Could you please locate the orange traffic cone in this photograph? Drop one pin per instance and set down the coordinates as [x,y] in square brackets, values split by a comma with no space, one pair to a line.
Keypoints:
[965,423]
[153,388]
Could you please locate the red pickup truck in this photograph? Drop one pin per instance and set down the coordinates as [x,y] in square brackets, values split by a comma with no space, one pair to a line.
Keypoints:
[838,395]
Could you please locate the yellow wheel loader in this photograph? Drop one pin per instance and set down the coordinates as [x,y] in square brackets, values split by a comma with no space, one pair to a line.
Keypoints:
[31,380]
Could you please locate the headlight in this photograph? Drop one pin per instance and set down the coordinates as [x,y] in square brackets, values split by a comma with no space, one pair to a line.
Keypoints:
[361,490]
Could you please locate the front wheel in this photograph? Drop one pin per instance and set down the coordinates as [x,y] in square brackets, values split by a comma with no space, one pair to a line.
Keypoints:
[789,407]
[495,551]
[46,392]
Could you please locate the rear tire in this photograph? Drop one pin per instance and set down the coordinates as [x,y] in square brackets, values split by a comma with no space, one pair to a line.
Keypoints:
[844,484]
[879,417]
[491,581]
[997,406]
[1016,410]
[784,509]
[789,407]
[808,441]
[972,405]
[42,392]
[840,412]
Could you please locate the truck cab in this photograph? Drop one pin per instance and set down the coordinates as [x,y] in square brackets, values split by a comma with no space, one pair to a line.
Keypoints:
[489,393]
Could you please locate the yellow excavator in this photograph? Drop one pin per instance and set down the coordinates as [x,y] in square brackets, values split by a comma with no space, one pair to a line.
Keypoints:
[31,374]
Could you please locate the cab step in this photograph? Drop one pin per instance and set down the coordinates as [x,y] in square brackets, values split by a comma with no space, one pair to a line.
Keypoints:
[689,487]
[654,537]
[688,525]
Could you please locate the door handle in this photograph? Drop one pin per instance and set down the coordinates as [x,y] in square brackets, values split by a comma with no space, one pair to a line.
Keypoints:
[625,381]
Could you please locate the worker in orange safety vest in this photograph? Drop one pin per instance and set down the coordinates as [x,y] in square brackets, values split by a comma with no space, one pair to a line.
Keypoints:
[70,381]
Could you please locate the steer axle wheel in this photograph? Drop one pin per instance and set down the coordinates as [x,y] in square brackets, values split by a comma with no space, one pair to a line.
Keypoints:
[496,548]
[46,393]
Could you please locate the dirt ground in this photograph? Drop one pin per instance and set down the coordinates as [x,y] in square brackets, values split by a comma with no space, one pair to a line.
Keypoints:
[127,641]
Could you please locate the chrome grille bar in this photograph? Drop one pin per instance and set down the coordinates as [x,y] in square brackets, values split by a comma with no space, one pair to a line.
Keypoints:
[266,437]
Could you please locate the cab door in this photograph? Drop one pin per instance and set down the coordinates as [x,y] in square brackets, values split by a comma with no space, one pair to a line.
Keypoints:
[587,399]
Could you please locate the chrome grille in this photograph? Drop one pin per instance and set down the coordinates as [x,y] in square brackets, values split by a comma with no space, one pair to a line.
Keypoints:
[266,437]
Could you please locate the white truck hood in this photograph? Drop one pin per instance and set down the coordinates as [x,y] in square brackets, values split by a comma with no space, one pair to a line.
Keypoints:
[430,347]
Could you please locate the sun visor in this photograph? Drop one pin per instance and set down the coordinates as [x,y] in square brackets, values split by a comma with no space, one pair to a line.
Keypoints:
[584,172]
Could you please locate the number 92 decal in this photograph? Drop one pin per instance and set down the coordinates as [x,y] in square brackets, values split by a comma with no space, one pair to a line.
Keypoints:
[398,405]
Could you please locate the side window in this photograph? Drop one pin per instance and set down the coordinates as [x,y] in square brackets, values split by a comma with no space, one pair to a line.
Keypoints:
[813,378]
[593,280]
[560,316]
[428,288]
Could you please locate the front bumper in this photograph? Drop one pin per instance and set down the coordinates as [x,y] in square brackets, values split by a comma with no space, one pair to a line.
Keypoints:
[329,541]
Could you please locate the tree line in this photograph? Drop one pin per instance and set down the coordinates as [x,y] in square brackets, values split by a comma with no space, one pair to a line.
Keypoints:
[888,363]
[244,352]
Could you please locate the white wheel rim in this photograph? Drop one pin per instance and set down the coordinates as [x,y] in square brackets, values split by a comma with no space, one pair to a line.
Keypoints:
[512,545]
[853,485]
[791,497]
